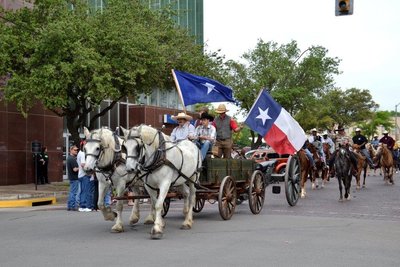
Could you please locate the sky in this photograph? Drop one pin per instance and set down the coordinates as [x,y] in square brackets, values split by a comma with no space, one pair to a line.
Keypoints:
[367,42]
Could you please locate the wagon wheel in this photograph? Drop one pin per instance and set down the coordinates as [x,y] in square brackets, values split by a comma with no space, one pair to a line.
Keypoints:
[292,180]
[227,198]
[165,209]
[199,205]
[256,192]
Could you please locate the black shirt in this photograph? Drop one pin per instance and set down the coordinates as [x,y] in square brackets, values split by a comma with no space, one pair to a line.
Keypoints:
[360,139]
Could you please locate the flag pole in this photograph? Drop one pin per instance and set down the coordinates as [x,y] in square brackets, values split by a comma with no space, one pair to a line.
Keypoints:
[178,88]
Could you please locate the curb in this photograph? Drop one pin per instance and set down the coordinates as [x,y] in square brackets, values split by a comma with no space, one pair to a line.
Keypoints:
[28,202]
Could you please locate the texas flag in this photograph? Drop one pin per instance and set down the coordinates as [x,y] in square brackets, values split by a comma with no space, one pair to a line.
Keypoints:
[194,89]
[274,123]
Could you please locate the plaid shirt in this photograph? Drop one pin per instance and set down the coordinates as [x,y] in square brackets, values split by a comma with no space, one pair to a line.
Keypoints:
[208,131]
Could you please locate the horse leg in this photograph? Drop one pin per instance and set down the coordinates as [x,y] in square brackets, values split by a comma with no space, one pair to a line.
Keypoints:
[340,187]
[118,227]
[135,214]
[188,207]
[157,230]
[108,214]
[365,176]
[304,176]
[153,199]
[314,175]
[347,185]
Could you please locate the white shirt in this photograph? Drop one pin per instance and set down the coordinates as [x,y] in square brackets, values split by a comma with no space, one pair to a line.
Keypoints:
[80,158]
[183,132]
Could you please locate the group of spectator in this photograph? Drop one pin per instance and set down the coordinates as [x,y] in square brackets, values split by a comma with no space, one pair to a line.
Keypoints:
[83,194]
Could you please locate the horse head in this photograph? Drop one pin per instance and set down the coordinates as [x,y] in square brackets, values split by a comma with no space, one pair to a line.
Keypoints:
[133,146]
[100,149]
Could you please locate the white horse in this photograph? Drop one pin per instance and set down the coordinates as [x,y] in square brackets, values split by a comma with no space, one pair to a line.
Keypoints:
[104,156]
[164,164]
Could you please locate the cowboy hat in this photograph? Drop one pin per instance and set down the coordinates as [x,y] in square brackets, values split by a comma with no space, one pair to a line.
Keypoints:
[314,130]
[207,116]
[221,109]
[181,115]
[325,132]
[340,129]
[358,130]
[385,132]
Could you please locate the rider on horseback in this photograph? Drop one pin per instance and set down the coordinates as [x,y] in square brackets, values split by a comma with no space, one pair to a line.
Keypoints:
[361,140]
[342,140]
[315,140]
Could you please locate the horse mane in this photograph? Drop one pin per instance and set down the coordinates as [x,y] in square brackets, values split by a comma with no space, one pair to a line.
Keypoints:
[106,136]
[149,135]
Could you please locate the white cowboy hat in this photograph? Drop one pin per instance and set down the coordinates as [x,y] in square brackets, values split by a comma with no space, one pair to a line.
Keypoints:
[221,109]
[181,115]
[314,130]
[358,130]
[325,132]
[385,132]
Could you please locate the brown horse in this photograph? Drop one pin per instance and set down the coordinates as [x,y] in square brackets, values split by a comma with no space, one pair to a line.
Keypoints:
[305,171]
[386,161]
[362,165]
[321,171]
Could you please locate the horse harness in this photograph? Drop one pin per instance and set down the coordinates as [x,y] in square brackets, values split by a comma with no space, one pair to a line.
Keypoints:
[109,170]
[159,159]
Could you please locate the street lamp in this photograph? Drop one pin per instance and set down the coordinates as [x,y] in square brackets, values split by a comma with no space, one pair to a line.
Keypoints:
[395,121]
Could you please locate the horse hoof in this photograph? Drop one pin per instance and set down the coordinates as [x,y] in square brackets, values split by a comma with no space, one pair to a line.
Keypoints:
[148,222]
[363,186]
[340,199]
[117,229]
[133,222]
[186,227]
[156,235]
[358,187]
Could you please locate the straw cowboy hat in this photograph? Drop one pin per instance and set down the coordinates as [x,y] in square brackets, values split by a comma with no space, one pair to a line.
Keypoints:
[182,115]
[325,132]
[314,130]
[221,109]
[358,130]
[385,132]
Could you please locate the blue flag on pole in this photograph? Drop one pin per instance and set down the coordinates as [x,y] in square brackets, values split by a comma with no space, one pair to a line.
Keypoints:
[195,89]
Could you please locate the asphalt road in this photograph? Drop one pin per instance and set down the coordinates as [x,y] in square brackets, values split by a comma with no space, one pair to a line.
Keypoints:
[318,231]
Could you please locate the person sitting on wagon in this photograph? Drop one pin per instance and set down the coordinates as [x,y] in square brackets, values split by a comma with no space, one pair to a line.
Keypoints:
[205,134]
[184,130]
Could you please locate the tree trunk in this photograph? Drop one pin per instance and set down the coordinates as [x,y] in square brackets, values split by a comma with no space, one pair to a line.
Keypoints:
[73,128]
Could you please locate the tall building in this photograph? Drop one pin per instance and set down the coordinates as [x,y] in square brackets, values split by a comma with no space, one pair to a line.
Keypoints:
[18,133]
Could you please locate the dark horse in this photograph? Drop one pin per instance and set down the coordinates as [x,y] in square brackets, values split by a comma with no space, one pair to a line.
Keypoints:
[305,171]
[321,170]
[343,172]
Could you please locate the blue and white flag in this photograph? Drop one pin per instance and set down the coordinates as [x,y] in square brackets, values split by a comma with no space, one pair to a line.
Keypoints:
[195,89]
[280,130]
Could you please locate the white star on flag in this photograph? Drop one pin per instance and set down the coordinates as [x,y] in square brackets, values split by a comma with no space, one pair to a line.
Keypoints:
[210,87]
[263,115]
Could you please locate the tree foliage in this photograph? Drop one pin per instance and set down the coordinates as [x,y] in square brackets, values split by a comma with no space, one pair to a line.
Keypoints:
[71,57]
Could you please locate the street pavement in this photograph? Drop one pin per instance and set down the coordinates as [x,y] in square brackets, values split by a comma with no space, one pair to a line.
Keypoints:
[318,231]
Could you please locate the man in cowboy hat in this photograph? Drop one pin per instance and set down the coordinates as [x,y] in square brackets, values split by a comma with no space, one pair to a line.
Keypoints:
[326,139]
[343,140]
[361,140]
[205,134]
[375,141]
[224,125]
[386,139]
[184,130]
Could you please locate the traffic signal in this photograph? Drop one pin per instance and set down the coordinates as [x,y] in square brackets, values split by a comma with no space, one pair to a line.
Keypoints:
[344,7]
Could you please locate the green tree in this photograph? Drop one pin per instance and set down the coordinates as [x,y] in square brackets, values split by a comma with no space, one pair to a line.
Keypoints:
[294,78]
[346,107]
[377,120]
[71,58]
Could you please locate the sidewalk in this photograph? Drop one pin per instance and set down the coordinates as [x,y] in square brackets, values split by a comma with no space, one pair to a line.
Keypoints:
[25,195]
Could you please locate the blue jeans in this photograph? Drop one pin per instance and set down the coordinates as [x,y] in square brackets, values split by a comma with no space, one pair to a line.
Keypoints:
[84,181]
[107,198]
[204,148]
[73,190]
[90,197]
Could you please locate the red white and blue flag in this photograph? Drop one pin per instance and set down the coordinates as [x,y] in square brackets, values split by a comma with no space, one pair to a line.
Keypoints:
[280,130]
